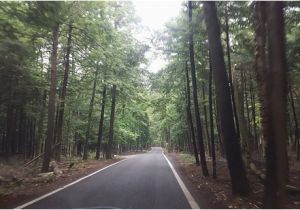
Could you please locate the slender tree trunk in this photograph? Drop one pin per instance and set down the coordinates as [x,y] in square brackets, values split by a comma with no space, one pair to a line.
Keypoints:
[195,96]
[246,136]
[205,118]
[272,86]
[211,120]
[112,119]
[296,132]
[189,115]
[41,124]
[63,95]
[101,123]
[51,103]
[220,136]
[246,101]
[87,135]
[21,131]
[253,107]
[230,73]
[245,123]
[13,130]
[232,147]
[9,127]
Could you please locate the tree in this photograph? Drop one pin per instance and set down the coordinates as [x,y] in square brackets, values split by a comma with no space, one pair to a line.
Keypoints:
[63,94]
[270,26]
[111,125]
[189,115]
[87,136]
[230,72]
[211,119]
[100,132]
[51,103]
[233,153]
[195,98]
[88,35]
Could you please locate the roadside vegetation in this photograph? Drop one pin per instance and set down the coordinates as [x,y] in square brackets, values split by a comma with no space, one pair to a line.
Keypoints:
[229,96]
[75,89]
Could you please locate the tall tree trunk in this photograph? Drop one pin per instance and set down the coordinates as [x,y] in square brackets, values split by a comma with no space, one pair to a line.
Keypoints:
[296,132]
[13,130]
[246,136]
[218,125]
[63,95]
[211,120]
[21,131]
[272,87]
[244,80]
[9,125]
[205,118]
[253,111]
[232,147]
[100,133]
[87,135]
[230,73]
[276,130]
[51,103]
[41,123]
[189,115]
[111,126]
[195,96]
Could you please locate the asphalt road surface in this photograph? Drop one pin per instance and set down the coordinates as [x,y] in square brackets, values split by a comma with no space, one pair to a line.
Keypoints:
[144,181]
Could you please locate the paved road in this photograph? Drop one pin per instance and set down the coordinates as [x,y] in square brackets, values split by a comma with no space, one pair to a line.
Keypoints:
[144,181]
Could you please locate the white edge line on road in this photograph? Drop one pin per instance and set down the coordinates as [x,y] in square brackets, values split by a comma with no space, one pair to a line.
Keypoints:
[68,185]
[186,192]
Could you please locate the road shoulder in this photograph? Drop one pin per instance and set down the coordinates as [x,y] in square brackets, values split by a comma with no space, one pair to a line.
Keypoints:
[201,197]
[30,191]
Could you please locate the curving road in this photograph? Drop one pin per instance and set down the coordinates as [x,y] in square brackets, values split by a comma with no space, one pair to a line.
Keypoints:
[144,181]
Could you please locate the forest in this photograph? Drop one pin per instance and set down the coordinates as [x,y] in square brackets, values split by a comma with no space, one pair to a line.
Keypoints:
[74,83]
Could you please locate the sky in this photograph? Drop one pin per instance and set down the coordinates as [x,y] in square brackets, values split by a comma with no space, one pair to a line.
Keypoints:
[154,14]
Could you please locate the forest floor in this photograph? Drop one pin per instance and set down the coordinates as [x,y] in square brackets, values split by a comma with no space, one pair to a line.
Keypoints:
[19,185]
[210,193]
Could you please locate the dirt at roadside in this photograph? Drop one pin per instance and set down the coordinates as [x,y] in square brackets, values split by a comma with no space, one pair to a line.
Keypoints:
[212,194]
[21,192]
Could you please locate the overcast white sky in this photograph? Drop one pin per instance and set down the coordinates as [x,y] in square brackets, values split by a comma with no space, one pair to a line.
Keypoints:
[154,14]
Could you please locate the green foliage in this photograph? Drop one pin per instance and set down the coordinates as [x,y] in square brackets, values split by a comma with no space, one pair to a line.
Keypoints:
[102,41]
[149,107]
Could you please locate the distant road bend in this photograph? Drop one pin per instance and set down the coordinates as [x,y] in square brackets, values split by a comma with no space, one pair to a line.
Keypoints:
[144,181]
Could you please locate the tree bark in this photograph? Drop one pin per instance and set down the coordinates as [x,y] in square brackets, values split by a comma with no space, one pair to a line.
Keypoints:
[205,118]
[63,95]
[253,111]
[244,79]
[232,147]
[246,136]
[112,119]
[87,135]
[189,115]
[51,103]
[218,126]
[274,107]
[41,123]
[195,96]
[296,132]
[9,125]
[230,73]
[211,120]
[100,133]
[272,87]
